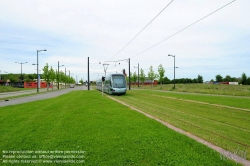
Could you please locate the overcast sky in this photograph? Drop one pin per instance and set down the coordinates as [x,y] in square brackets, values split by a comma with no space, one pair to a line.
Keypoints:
[72,31]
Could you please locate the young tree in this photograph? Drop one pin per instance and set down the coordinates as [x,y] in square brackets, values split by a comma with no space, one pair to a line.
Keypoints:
[71,80]
[81,81]
[200,79]
[161,72]
[134,77]
[244,79]
[142,76]
[151,75]
[46,75]
[52,76]
[57,78]
[62,77]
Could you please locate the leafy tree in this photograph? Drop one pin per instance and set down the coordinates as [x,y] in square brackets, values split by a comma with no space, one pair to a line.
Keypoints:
[200,79]
[166,80]
[248,81]
[161,72]
[52,76]
[188,80]
[62,77]
[57,79]
[4,77]
[244,79]
[227,78]
[30,77]
[81,81]
[71,80]
[234,79]
[152,75]
[12,77]
[134,77]
[142,76]
[46,75]
[27,78]
[219,78]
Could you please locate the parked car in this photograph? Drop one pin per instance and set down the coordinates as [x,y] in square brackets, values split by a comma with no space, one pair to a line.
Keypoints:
[72,85]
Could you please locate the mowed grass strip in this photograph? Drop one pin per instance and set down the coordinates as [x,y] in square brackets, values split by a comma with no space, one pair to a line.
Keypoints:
[11,89]
[224,100]
[228,128]
[110,133]
[220,89]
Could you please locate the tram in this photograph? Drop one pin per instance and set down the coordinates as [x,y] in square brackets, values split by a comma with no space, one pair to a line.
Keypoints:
[113,84]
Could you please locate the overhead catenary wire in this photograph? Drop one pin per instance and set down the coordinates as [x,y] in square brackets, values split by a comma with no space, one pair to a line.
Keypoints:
[142,29]
[184,29]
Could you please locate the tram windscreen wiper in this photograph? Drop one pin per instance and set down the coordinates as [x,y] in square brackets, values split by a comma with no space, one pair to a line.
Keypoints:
[117,85]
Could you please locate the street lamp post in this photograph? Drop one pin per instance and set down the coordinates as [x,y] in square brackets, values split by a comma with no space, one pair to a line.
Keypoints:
[58,75]
[138,74]
[174,68]
[38,68]
[21,69]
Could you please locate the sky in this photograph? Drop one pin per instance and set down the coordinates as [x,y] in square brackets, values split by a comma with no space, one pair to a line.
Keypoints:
[113,31]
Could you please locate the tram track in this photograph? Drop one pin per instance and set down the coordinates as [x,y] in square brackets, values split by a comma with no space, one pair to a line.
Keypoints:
[221,150]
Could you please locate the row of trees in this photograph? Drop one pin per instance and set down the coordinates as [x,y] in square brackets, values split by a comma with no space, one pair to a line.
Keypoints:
[50,76]
[18,77]
[244,80]
[160,76]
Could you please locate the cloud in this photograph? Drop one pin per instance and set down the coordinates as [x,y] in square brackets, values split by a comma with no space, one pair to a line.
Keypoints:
[71,31]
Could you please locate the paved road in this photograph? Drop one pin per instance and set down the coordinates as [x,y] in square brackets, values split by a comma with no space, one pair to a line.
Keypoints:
[40,96]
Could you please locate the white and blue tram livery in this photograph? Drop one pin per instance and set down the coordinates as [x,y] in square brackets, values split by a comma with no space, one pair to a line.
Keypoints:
[113,84]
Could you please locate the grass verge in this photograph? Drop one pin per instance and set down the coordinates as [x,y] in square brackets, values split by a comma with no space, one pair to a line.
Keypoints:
[109,133]
[219,89]
[11,89]
[226,127]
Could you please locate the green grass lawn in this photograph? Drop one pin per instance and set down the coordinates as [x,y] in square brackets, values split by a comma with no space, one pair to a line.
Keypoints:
[10,89]
[208,117]
[220,89]
[108,132]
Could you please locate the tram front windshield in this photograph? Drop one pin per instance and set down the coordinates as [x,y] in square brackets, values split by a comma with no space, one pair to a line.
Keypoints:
[119,81]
